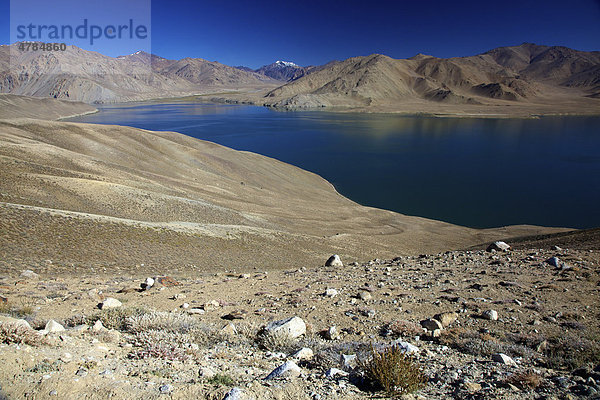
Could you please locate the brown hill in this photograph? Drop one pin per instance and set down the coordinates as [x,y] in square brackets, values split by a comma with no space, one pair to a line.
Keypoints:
[526,74]
[81,75]
[13,106]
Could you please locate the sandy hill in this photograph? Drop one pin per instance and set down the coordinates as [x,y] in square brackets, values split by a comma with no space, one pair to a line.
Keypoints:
[81,75]
[522,75]
[81,193]
[13,106]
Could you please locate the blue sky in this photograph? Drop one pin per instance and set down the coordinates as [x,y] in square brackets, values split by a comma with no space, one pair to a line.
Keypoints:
[315,32]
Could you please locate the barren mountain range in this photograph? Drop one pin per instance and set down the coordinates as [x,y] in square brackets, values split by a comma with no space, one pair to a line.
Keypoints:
[529,79]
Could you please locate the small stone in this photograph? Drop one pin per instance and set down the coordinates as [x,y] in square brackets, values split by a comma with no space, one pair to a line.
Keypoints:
[331,293]
[166,281]
[335,373]
[331,333]
[292,327]
[110,302]
[238,314]
[165,389]
[446,318]
[53,326]
[244,276]
[334,261]
[211,305]
[206,372]
[498,246]
[185,306]
[472,387]
[29,274]
[98,327]
[197,311]
[289,369]
[554,261]
[236,394]
[348,361]
[431,324]
[229,329]
[364,295]
[148,283]
[407,347]
[81,372]
[491,315]
[503,359]
[303,354]
[556,248]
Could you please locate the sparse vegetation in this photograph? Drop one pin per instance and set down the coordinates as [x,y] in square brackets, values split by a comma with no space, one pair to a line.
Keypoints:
[405,328]
[525,380]
[13,332]
[117,318]
[571,351]
[221,380]
[393,371]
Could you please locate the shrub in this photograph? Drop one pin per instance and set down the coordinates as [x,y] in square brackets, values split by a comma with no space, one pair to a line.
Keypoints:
[11,332]
[405,328]
[393,371]
[571,351]
[525,380]
[116,318]
[221,380]
[160,321]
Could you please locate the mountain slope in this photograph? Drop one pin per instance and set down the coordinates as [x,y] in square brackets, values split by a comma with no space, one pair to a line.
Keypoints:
[283,71]
[81,75]
[523,74]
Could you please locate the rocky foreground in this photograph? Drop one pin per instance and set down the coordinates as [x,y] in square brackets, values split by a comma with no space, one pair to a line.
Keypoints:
[511,324]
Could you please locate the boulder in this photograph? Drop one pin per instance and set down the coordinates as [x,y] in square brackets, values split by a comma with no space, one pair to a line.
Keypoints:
[292,327]
[503,359]
[110,302]
[446,318]
[498,246]
[53,326]
[334,261]
[491,315]
[431,324]
[289,369]
[303,354]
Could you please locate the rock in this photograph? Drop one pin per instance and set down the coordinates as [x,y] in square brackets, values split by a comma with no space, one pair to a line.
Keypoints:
[53,326]
[289,369]
[503,359]
[110,302]
[335,373]
[16,321]
[334,261]
[237,394]
[165,388]
[407,347]
[244,276]
[148,283]
[446,318]
[554,261]
[238,314]
[431,324]
[364,295]
[29,274]
[206,372]
[348,361]
[292,327]
[303,354]
[197,311]
[556,248]
[498,246]
[331,333]
[211,305]
[490,315]
[166,281]
[229,329]
[472,387]
[330,293]
[98,327]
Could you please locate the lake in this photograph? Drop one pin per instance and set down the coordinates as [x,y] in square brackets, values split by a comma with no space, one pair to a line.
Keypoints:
[468,171]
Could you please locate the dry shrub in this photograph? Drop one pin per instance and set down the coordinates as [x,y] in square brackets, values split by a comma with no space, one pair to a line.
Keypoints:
[161,321]
[116,318]
[481,344]
[405,328]
[393,371]
[164,351]
[571,351]
[525,380]
[11,332]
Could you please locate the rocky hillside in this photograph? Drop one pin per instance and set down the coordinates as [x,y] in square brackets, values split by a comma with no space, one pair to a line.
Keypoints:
[13,106]
[521,74]
[283,71]
[81,75]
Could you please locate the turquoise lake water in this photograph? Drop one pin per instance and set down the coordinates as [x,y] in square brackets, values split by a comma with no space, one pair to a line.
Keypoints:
[472,172]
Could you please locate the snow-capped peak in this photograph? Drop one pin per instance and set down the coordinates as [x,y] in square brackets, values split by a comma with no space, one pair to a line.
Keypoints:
[280,63]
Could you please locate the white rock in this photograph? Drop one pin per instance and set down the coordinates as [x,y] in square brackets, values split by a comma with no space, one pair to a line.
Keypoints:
[111,302]
[288,369]
[206,372]
[29,274]
[332,333]
[53,326]
[498,246]
[503,359]
[335,372]
[406,347]
[331,293]
[348,360]
[237,394]
[292,327]
[198,311]
[98,327]
[491,315]
[16,321]
[229,329]
[334,261]
[364,295]
[148,283]
[303,354]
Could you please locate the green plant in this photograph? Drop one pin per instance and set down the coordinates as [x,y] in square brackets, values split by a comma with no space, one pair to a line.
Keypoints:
[221,380]
[393,371]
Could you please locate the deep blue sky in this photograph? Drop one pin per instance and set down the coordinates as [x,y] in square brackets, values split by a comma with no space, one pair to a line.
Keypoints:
[315,32]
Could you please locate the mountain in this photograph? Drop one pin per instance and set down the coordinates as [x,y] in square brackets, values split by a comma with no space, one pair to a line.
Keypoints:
[81,75]
[283,71]
[525,74]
